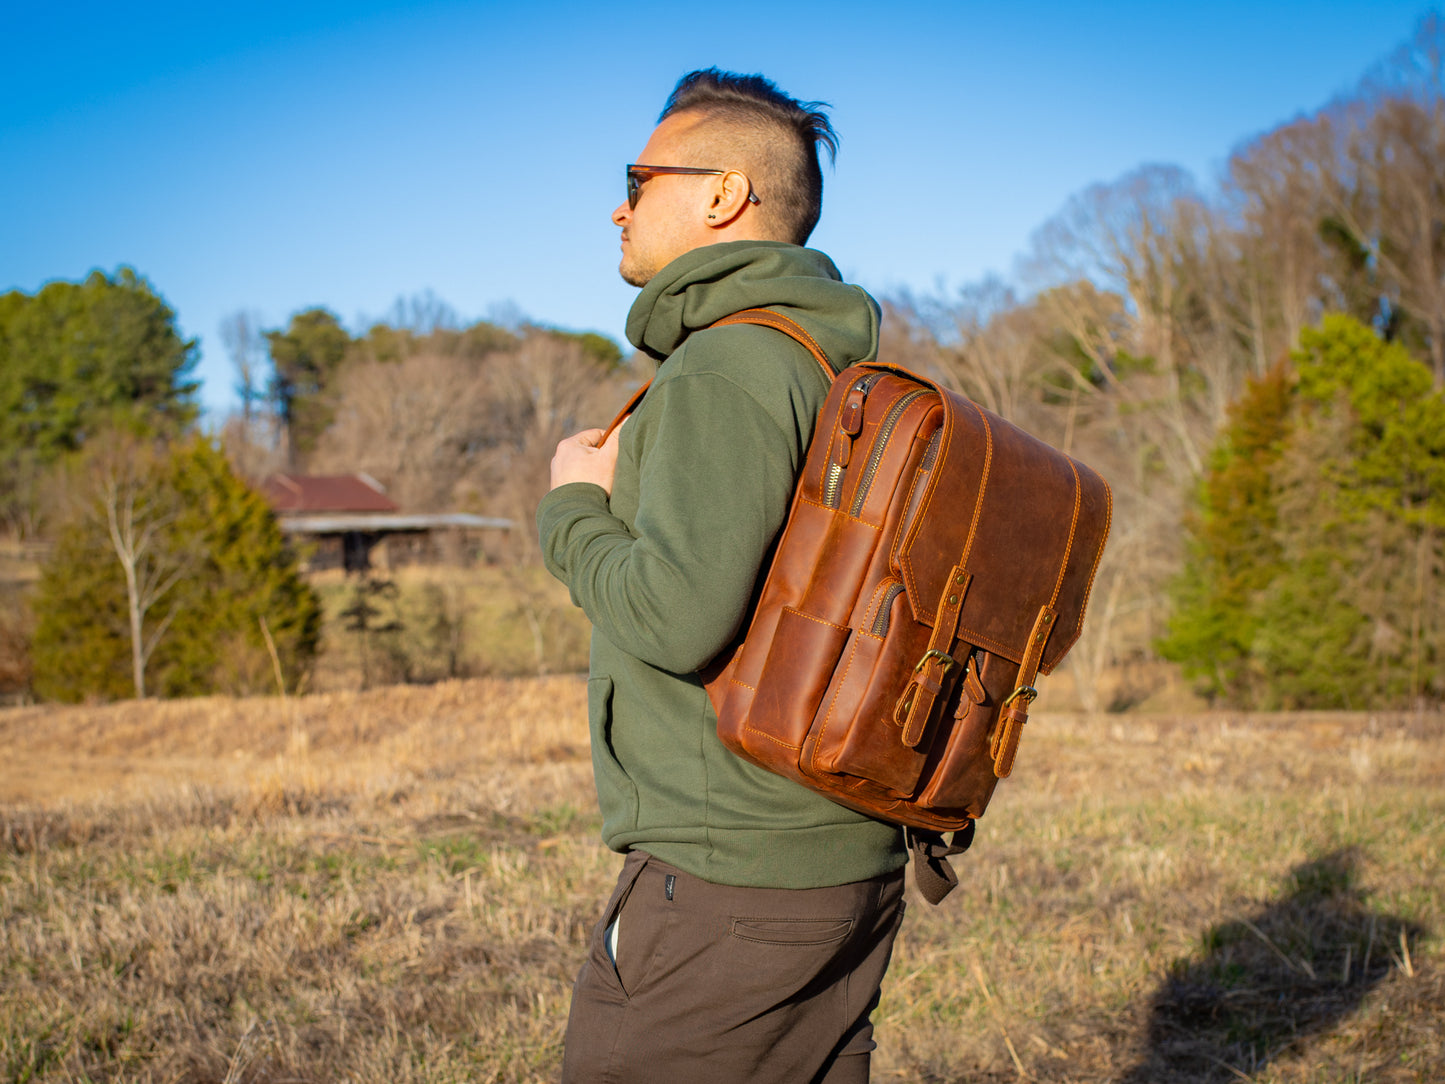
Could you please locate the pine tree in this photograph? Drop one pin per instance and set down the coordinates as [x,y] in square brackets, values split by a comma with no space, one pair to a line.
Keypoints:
[1233,552]
[1316,571]
[80,650]
[78,359]
[235,583]
[248,576]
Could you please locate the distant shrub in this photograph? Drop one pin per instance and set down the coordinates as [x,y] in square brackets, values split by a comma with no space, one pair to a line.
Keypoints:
[15,624]
[167,578]
[1315,575]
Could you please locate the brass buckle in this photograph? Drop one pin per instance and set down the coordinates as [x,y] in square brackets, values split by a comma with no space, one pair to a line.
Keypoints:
[1028,692]
[942,656]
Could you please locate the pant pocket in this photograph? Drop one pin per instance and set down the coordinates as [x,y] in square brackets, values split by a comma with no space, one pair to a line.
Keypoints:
[597,955]
[792,931]
[646,918]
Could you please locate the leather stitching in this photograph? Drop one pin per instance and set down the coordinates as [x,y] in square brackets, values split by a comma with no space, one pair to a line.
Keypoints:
[774,739]
[1094,571]
[1073,528]
[917,524]
[810,617]
[982,482]
[828,715]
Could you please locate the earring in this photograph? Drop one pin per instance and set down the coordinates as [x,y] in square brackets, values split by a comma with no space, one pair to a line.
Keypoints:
[712,216]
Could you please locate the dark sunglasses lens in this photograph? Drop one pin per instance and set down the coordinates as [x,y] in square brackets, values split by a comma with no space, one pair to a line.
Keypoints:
[634,189]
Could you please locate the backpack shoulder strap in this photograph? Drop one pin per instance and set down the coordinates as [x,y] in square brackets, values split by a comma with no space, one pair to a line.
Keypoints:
[788,326]
[765,317]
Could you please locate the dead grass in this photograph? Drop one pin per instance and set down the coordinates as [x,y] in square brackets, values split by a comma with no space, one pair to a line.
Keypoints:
[438,622]
[18,572]
[397,886]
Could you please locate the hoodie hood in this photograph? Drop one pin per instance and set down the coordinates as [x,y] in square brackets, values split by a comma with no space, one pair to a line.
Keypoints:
[700,287]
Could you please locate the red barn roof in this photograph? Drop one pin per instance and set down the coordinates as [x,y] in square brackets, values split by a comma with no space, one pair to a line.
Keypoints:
[290,494]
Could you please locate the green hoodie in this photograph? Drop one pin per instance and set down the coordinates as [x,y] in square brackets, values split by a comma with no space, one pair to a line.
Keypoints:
[666,568]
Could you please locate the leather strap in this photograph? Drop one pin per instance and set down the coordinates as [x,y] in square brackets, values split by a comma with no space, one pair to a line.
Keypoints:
[627,408]
[765,317]
[1015,712]
[931,870]
[932,676]
[788,326]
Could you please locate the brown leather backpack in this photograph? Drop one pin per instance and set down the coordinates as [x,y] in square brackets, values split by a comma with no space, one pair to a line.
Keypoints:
[936,559]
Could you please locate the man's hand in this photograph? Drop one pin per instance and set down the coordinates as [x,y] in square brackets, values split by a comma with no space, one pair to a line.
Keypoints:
[579,458]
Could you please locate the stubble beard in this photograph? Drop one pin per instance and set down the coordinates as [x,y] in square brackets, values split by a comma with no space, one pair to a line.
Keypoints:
[634,276]
[635,270]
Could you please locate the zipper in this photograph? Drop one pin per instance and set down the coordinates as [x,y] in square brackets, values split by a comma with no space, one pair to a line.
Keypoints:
[885,609]
[880,444]
[832,484]
[930,456]
[833,477]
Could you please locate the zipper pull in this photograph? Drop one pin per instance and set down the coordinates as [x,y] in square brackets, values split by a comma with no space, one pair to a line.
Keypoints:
[850,421]
[850,424]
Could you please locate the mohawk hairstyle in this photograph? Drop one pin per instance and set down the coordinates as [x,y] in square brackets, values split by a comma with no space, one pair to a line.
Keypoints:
[778,136]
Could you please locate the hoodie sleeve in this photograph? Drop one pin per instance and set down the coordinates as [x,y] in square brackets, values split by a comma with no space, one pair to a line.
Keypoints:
[716,475]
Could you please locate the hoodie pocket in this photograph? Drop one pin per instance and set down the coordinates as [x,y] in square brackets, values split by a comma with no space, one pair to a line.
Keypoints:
[616,792]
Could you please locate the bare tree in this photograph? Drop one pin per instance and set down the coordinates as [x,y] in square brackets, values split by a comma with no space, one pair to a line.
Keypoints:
[421,314]
[1085,333]
[241,334]
[416,424]
[545,391]
[123,488]
[254,439]
[1399,156]
[1281,191]
[1127,237]
[448,431]
[984,344]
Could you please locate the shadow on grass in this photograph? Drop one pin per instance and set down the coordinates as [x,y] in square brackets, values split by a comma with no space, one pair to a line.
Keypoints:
[1268,984]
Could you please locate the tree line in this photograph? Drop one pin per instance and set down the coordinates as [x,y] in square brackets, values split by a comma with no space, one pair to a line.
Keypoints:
[448,417]
[1291,564]
[165,571]
[1256,367]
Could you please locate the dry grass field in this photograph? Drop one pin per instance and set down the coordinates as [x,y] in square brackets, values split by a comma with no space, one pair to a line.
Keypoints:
[397,885]
[433,623]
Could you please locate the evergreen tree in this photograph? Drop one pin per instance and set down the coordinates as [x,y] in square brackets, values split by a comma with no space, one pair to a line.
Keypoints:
[1233,552]
[207,629]
[1316,570]
[308,357]
[78,359]
[248,576]
[1311,640]
[1369,471]
[81,647]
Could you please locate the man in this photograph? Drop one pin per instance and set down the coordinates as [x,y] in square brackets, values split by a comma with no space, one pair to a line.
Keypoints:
[753,920]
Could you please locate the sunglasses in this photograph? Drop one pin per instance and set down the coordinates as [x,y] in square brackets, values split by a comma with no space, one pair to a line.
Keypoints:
[638,175]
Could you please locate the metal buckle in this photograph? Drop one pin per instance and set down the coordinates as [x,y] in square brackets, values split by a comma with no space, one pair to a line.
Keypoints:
[942,656]
[1028,692]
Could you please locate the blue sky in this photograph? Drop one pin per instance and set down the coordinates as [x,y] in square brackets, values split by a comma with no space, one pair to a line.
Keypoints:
[273,156]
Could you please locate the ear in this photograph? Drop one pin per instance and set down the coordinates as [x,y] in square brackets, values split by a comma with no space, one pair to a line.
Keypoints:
[729,198]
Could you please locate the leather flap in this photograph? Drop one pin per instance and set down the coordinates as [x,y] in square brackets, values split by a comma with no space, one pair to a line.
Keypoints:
[1025,520]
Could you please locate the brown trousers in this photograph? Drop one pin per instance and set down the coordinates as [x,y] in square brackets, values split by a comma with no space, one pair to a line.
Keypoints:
[716,984]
